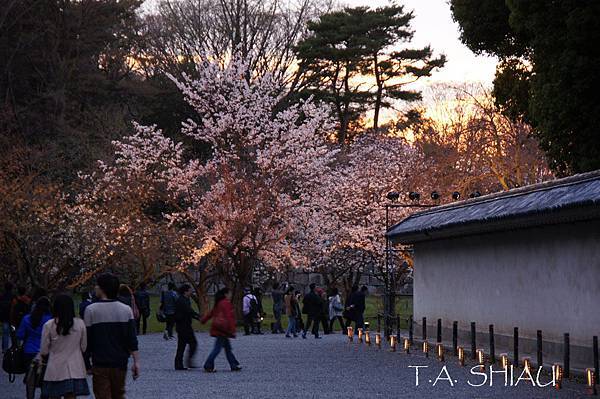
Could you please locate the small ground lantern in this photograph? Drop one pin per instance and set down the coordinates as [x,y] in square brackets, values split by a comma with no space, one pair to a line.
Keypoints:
[350,334]
[406,345]
[527,364]
[504,361]
[461,355]
[591,381]
[440,352]
[481,359]
[557,372]
[426,348]
[360,335]
[367,338]
[378,339]
[393,343]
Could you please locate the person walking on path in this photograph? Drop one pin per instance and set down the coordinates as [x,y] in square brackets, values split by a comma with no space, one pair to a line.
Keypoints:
[111,340]
[313,309]
[168,299]
[336,310]
[278,308]
[299,322]
[142,298]
[324,315]
[290,311]
[20,306]
[64,339]
[357,306]
[222,328]
[30,333]
[5,303]
[249,311]
[184,314]
[260,312]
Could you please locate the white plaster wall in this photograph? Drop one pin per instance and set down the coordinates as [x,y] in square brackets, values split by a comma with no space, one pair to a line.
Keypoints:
[536,279]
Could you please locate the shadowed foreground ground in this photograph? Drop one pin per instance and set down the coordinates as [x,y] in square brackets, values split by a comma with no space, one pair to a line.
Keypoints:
[275,367]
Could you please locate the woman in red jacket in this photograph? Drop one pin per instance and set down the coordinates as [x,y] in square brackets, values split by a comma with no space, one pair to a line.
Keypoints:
[222,328]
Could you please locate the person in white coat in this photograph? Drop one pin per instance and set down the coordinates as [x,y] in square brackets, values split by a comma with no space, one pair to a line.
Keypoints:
[336,310]
[64,340]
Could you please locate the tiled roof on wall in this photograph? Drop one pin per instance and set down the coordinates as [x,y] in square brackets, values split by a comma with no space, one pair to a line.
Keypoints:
[522,207]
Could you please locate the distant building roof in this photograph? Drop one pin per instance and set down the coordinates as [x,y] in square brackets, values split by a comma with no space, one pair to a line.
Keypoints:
[572,198]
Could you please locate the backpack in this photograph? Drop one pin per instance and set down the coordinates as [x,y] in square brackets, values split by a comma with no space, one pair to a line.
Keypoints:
[13,362]
[253,306]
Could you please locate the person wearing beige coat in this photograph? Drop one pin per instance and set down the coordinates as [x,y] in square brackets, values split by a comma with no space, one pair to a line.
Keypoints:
[66,371]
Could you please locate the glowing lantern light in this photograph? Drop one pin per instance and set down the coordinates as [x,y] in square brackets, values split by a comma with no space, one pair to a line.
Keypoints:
[426,348]
[393,343]
[406,345]
[557,372]
[440,352]
[461,355]
[350,334]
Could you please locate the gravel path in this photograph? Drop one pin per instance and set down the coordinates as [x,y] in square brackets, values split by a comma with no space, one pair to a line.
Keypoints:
[276,367]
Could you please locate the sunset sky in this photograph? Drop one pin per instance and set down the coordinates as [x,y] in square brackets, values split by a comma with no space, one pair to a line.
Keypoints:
[433,25]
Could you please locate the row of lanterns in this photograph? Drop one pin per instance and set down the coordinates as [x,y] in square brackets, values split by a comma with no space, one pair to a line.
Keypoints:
[557,370]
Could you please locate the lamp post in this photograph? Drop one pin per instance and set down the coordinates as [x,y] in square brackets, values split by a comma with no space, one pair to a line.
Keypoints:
[393,197]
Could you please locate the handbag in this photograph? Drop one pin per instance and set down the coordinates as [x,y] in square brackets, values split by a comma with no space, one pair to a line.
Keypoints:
[160,316]
[13,362]
[35,375]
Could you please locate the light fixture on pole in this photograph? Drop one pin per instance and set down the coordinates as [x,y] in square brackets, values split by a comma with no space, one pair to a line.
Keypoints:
[406,345]
[426,348]
[481,359]
[527,364]
[591,381]
[461,355]
[504,361]
[393,343]
[350,334]
[378,339]
[440,351]
[367,338]
[360,335]
[557,373]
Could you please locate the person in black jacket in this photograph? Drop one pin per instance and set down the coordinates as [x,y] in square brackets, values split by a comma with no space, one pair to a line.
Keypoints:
[312,308]
[142,299]
[357,306]
[184,314]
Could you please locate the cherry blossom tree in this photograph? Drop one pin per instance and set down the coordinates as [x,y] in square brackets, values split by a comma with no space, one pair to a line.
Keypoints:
[240,201]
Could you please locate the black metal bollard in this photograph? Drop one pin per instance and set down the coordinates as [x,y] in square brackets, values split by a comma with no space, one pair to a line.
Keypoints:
[424,328]
[410,330]
[473,341]
[567,353]
[540,353]
[516,347]
[492,345]
[595,344]
[439,330]
[455,337]
[379,322]
[398,328]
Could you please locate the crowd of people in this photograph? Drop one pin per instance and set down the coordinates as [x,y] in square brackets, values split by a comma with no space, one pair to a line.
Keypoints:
[103,339]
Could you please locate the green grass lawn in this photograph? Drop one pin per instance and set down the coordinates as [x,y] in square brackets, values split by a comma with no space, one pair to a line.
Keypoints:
[374,305]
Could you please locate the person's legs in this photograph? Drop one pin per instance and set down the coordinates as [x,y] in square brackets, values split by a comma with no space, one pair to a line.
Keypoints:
[247,324]
[315,329]
[210,361]
[309,321]
[193,343]
[117,383]
[277,325]
[170,324]
[181,343]
[233,363]
[5,335]
[137,326]
[101,383]
[291,329]
[144,324]
[342,325]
